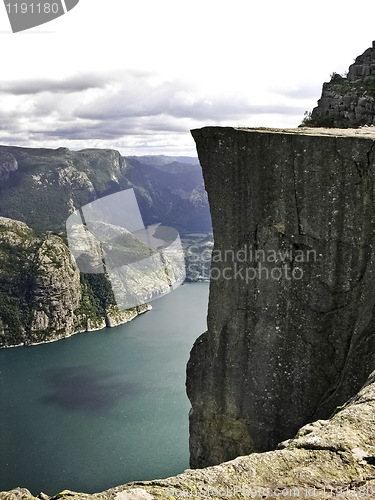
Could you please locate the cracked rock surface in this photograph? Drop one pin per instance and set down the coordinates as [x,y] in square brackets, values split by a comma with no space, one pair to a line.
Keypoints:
[291,313]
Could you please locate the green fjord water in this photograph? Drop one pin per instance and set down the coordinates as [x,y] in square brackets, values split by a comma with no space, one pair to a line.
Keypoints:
[102,408]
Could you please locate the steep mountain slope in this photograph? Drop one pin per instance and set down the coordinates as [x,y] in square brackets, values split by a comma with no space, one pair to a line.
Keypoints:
[41,187]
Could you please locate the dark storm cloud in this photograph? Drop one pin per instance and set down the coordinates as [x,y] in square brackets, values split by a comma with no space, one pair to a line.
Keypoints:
[13,141]
[77,83]
[110,129]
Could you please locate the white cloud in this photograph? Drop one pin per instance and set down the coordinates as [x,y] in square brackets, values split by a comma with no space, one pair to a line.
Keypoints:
[129,109]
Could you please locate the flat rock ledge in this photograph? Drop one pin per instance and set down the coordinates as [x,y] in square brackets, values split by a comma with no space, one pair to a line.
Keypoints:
[326,459]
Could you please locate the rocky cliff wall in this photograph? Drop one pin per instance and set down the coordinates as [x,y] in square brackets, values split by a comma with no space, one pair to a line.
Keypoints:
[348,101]
[39,286]
[291,324]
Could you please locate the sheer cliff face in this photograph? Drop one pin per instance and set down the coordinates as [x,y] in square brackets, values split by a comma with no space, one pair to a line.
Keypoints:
[291,325]
[39,286]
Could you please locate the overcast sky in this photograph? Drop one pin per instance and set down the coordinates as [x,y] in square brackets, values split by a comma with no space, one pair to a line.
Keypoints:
[137,75]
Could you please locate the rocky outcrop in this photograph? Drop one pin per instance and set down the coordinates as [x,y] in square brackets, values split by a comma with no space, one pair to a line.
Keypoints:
[43,297]
[348,101]
[291,319]
[327,459]
[39,286]
[53,291]
[363,66]
[8,164]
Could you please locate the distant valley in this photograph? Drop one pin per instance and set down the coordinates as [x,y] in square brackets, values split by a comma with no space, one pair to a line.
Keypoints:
[39,189]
